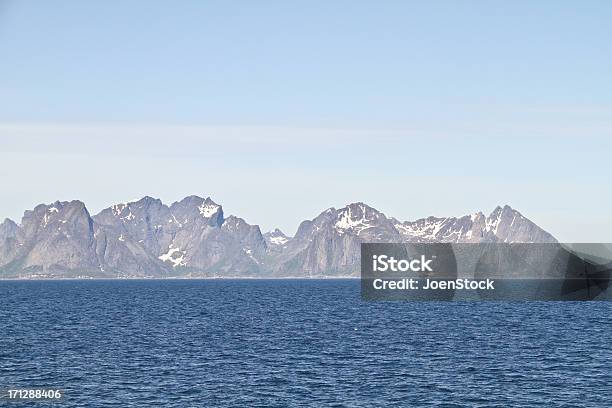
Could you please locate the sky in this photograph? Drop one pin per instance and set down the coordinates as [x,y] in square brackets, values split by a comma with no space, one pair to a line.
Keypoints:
[279,110]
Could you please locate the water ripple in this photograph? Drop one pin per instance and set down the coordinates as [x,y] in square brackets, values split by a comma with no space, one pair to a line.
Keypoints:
[296,343]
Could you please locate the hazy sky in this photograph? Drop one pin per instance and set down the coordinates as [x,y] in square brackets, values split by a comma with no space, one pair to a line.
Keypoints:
[278,110]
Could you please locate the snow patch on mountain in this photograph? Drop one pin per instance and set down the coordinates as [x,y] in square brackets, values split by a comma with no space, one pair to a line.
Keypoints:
[492,223]
[208,210]
[427,229]
[118,209]
[276,240]
[349,221]
[174,255]
[279,240]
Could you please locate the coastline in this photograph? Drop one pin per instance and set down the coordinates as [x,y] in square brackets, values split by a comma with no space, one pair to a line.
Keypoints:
[187,278]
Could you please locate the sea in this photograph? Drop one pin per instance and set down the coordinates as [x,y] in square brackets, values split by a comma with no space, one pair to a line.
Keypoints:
[295,343]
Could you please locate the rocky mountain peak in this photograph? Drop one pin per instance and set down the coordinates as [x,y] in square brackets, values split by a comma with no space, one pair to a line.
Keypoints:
[8,227]
[233,223]
[506,224]
[131,211]
[198,210]
[60,215]
[52,237]
[191,237]
[9,240]
[357,218]
[249,235]
[276,238]
[208,208]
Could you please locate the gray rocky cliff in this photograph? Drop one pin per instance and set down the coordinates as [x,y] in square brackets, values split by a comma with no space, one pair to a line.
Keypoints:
[193,238]
[55,240]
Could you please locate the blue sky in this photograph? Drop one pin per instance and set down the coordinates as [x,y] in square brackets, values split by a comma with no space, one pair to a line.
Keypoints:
[278,110]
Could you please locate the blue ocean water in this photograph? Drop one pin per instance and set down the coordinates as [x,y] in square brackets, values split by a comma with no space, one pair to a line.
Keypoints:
[268,343]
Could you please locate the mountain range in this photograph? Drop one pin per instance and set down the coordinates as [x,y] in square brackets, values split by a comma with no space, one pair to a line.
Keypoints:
[193,238]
